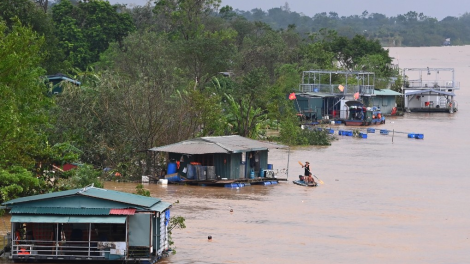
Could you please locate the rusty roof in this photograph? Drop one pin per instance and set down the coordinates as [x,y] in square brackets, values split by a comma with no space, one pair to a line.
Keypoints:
[127,211]
[223,144]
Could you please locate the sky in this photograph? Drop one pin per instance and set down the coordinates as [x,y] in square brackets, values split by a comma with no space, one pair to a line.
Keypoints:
[431,8]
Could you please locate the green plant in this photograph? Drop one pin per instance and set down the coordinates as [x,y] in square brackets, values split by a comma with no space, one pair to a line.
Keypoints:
[176,222]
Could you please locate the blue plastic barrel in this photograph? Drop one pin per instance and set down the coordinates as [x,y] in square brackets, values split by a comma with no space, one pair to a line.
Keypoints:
[171,168]
[270,166]
[191,171]
[174,179]
[411,135]
[371,130]
[362,135]
[419,136]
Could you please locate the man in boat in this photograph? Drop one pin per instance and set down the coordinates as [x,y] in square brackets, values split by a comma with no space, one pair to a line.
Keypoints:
[307,174]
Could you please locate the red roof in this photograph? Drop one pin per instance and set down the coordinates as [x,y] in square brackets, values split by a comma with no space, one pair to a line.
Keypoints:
[129,211]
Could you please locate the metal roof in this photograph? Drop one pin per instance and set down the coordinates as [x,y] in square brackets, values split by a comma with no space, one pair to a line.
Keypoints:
[62,77]
[192,146]
[128,211]
[312,94]
[59,210]
[223,144]
[385,92]
[430,91]
[90,191]
[161,206]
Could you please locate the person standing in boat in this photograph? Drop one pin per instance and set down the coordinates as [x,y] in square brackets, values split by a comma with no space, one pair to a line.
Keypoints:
[307,174]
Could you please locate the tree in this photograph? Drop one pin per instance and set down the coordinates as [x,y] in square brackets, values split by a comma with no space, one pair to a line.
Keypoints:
[204,44]
[246,108]
[23,102]
[34,16]
[87,29]
[128,108]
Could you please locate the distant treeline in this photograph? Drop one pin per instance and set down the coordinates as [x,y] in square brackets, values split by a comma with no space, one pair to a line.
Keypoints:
[410,29]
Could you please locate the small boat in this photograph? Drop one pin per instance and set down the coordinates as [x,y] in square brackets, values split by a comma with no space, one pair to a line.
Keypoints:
[303,183]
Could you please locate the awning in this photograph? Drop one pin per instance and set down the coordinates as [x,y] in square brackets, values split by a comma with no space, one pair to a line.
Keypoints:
[67,219]
[429,91]
[354,103]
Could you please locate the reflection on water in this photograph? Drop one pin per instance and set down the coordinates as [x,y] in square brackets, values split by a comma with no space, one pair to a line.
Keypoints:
[383,201]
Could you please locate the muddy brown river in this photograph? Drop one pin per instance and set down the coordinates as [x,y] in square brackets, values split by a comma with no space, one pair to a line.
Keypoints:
[385,199]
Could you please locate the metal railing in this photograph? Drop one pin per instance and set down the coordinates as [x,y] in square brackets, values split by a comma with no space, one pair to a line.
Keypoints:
[437,85]
[334,89]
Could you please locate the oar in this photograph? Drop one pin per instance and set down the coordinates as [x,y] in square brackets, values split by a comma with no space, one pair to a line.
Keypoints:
[320,181]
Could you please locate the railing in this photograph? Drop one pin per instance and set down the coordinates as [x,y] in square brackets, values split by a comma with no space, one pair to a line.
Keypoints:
[437,85]
[47,249]
[334,89]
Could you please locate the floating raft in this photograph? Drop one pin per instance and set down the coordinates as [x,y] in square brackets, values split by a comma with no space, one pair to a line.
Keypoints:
[350,133]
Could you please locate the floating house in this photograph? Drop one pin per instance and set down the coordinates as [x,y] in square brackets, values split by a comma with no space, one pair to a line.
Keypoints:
[430,90]
[385,100]
[322,94]
[89,224]
[57,82]
[219,160]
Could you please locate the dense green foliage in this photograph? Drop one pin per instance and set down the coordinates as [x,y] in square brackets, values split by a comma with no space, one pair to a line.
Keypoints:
[152,75]
[410,29]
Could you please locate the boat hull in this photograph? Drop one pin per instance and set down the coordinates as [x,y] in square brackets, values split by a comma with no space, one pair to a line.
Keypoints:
[302,183]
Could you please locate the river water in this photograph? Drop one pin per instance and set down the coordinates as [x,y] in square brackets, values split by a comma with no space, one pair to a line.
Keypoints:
[385,199]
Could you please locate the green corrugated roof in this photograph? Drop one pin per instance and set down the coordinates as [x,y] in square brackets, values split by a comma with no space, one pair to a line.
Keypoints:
[386,92]
[161,206]
[59,210]
[120,197]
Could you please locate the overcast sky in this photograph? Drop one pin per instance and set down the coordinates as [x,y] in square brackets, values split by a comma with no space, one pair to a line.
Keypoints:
[432,8]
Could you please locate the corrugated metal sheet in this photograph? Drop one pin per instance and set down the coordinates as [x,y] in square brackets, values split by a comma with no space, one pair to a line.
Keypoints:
[237,143]
[193,146]
[59,210]
[42,197]
[128,211]
[385,92]
[429,91]
[161,206]
[224,144]
[115,196]
[122,197]
[312,94]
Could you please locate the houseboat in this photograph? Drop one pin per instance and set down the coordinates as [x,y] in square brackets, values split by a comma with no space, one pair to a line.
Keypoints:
[323,95]
[359,115]
[89,224]
[219,161]
[430,90]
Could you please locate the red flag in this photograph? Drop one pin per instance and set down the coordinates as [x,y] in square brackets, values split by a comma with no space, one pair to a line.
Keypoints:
[356,95]
[292,96]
